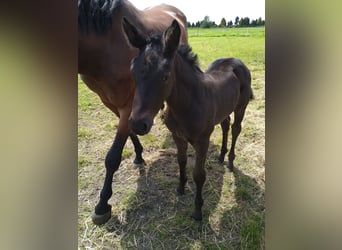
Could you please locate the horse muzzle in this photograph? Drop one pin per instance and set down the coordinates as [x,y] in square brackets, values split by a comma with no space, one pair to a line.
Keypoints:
[140,126]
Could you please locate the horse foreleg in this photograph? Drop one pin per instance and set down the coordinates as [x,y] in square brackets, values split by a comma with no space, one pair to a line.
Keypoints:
[199,175]
[182,147]
[102,211]
[138,149]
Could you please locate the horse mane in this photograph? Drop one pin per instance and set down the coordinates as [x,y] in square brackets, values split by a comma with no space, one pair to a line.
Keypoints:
[185,51]
[96,15]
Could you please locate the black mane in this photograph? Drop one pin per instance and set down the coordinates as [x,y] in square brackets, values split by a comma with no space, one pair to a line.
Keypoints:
[184,50]
[96,15]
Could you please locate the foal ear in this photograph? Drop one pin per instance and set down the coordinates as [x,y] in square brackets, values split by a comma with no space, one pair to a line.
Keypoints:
[135,37]
[171,37]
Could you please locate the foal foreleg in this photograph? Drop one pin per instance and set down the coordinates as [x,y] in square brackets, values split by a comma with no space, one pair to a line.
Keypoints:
[225,128]
[182,147]
[236,129]
[138,149]
[199,175]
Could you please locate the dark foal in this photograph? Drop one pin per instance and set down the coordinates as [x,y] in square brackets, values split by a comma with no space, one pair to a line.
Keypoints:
[196,101]
[104,59]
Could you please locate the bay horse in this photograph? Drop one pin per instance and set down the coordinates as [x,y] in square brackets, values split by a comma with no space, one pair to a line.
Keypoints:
[104,58]
[166,70]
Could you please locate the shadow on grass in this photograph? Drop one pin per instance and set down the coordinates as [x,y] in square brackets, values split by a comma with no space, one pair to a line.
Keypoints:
[158,218]
[244,223]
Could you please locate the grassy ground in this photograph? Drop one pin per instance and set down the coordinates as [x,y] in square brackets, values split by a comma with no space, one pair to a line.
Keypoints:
[147,212]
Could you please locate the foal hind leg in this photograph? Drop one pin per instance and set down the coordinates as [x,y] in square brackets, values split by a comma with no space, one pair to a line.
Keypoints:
[236,129]
[225,128]
[182,147]
[138,149]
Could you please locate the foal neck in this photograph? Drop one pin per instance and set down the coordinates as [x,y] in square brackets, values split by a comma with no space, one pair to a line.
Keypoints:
[187,80]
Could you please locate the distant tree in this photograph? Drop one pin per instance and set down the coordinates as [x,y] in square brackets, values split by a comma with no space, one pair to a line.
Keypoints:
[237,21]
[230,23]
[193,25]
[244,22]
[254,23]
[260,22]
[223,23]
[206,23]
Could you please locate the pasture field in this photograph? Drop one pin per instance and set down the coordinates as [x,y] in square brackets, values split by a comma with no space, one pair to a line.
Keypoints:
[147,213]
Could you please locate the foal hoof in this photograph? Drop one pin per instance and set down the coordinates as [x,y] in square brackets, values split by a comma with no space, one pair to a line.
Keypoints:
[197,216]
[100,219]
[230,168]
[220,160]
[180,191]
[137,163]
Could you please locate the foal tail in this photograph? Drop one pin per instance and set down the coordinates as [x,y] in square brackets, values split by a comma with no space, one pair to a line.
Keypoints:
[251,97]
[244,75]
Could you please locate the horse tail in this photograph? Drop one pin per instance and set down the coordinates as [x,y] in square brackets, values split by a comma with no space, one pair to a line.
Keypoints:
[251,97]
[244,75]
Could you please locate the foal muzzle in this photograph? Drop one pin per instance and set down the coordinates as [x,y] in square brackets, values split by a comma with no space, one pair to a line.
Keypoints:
[140,126]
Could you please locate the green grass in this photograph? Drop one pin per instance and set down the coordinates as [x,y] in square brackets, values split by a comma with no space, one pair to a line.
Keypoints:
[147,213]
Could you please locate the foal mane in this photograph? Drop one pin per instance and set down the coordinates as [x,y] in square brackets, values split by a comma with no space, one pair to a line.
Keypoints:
[184,51]
[96,15]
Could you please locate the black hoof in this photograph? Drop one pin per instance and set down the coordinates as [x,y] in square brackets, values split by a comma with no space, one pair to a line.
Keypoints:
[138,162]
[180,191]
[220,159]
[100,219]
[197,216]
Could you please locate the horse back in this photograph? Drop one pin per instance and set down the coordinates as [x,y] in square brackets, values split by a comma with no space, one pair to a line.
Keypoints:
[240,70]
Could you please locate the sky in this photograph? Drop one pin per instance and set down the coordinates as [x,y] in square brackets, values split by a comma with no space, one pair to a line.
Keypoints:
[215,9]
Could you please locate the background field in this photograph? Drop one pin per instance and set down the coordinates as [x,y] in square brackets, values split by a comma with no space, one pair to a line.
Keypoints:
[147,212]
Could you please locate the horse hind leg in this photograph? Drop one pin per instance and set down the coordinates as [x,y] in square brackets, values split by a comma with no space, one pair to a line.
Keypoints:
[182,147]
[138,161]
[236,129]
[225,128]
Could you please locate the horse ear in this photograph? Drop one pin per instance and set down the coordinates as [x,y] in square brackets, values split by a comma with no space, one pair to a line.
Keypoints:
[134,36]
[171,37]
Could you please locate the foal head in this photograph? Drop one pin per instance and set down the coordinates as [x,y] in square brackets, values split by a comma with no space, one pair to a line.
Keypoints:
[152,69]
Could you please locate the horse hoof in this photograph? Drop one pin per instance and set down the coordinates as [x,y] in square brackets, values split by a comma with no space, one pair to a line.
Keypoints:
[100,219]
[180,191]
[230,168]
[138,163]
[197,216]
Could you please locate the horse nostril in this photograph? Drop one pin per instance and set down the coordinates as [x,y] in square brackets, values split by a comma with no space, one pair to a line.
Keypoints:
[139,127]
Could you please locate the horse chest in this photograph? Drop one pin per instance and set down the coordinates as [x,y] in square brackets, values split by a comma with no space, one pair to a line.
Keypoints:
[187,129]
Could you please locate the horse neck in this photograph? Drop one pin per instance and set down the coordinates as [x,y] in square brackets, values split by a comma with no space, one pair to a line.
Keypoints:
[104,51]
[187,85]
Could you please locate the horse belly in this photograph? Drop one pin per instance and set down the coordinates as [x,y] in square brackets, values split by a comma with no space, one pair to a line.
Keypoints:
[226,102]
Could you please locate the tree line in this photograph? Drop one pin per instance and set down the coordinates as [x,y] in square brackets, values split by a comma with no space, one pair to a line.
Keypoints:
[239,22]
